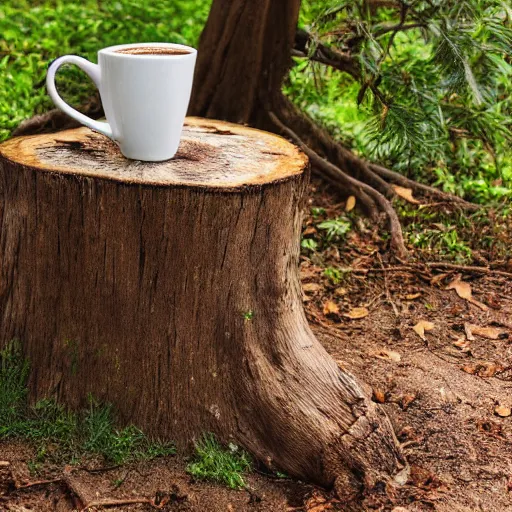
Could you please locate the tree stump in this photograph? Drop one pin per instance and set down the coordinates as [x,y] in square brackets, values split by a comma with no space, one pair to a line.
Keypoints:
[171,290]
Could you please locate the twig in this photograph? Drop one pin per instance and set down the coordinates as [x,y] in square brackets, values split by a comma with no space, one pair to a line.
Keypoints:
[39,482]
[397,241]
[325,55]
[469,268]
[111,502]
[388,295]
[406,182]
[399,268]
[384,30]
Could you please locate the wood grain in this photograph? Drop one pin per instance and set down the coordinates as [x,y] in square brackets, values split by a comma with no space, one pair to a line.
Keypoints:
[172,291]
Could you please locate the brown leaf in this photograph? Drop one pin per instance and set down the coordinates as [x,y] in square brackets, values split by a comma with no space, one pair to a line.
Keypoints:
[469,332]
[311,287]
[421,327]
[351,202]
[463,290]
[413,296]
[406,401]
[482,369]
[340,291]
[356,313]
[469,368]
[387,355]
[310,230]
[487,369]
[379,396]
[491,333]
[462,344]
[405,193]
[330,307]
[318,503]
[437,279]
[503,411]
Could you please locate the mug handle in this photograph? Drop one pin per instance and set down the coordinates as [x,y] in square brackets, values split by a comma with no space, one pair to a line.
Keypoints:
[93,70]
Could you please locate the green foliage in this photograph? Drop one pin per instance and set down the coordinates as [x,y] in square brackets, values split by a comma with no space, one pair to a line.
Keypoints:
[335,228]
[335,275]
[457,235]
[434,95]
[310,244]
[59,434]
[32,33]
[213,462]
[316,211]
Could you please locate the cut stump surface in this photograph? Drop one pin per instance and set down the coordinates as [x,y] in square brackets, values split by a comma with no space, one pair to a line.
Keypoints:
[171,290]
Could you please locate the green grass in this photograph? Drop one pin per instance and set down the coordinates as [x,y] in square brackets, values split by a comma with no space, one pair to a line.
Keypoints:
[215,463]
[60,435]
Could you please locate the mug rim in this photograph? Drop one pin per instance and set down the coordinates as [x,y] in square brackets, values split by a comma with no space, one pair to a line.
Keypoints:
[113,51]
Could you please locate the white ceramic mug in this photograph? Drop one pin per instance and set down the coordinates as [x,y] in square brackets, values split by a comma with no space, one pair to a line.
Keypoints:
[145,91]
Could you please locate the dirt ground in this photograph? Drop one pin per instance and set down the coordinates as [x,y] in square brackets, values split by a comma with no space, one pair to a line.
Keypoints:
[447,391]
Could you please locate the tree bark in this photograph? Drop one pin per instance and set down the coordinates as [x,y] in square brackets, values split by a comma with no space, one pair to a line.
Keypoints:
[171,290]
[246,53]
[244,56]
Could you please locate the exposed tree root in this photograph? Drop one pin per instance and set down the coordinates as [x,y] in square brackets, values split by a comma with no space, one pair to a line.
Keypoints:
[352,185]
[403,181]
[68,483]
[470,268]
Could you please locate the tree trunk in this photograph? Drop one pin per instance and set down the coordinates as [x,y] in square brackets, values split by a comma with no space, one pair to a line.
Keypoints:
[245,53]
[244,56]
[171,290]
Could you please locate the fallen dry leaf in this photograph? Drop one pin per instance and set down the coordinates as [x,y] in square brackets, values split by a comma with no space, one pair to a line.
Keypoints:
[413,296]
[437,279]
[330,307]
[462,344]
[482,369]
[405,193]
[421,327]
[400,509]
[469,333]
[491,333]
[379,396]
[356,313]
[340,291]
[311,287]
[387,355]
[310,230]
[503,411]
[318,503]
[351,202]
[406,401]
[463,290]
[469,368]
